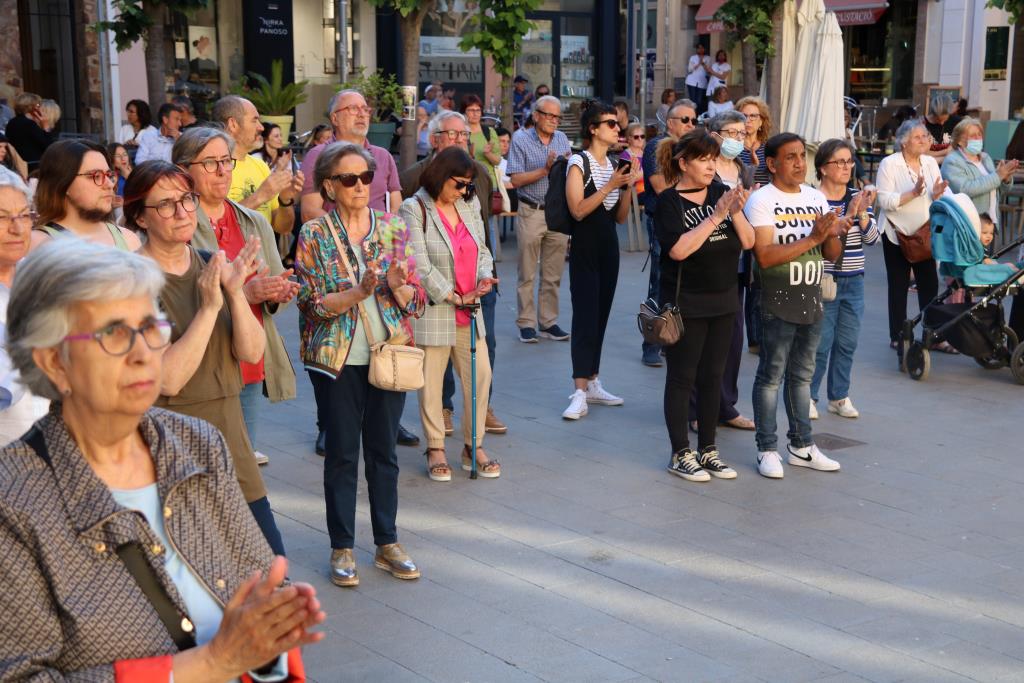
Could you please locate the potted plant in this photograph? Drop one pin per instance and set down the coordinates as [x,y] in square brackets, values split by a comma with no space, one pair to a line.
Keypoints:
[273,99]
[384,96]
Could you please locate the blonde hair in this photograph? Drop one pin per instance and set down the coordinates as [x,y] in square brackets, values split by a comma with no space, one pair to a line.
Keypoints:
[765,131]
[26,102]
[630,128]
[51,110]
[963,127]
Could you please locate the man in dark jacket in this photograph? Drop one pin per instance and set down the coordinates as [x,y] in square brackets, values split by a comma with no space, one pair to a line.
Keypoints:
[26,130]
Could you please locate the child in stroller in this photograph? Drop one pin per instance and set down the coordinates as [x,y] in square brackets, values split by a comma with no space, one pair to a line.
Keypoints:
[975,326]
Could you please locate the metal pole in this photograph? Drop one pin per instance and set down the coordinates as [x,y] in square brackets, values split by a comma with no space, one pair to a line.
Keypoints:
[630,48]
[643,62]
[341,44]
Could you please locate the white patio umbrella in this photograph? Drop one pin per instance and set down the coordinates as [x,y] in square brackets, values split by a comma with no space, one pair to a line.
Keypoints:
[820,114]
[788,56]
[794,99]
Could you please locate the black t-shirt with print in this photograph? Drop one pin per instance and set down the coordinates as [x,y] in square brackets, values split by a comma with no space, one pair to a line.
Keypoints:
[709,281]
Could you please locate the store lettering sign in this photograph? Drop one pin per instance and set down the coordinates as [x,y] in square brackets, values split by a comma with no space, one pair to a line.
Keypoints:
[271,26]
[859,17]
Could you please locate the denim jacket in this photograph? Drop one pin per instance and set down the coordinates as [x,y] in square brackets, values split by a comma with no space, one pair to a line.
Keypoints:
[325,336]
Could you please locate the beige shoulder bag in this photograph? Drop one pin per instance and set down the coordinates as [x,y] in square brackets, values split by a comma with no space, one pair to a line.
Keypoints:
[393,367]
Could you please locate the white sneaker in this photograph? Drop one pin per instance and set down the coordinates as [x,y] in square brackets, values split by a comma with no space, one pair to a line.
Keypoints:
[577,406]
[597,394]
[843,408]
[814,411]
[769,464]
[261,459]
[810,456]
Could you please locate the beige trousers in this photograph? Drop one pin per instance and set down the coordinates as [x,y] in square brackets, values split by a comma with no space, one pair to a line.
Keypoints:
[435,361]
[537,243]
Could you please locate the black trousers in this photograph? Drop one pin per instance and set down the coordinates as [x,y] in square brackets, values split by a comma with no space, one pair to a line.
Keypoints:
[731,374]
[897,272]
[355,411]
[697,360]
[265,519]
[1016,320]
[593,274]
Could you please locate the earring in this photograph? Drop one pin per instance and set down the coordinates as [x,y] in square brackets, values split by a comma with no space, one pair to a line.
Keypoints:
[66,391]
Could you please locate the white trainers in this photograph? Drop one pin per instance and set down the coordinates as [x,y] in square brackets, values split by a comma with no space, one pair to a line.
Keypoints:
[814,411]
[769,464]
[843,408]
[597,394]
[261,459]
[577,406]
[810,456]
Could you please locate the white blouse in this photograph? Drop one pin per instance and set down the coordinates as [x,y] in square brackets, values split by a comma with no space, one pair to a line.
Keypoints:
[893,179]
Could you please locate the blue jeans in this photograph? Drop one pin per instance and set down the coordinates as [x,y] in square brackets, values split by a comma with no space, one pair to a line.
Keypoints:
[250,397]
[488,303]
[787,352]
[839,332]
[654,261]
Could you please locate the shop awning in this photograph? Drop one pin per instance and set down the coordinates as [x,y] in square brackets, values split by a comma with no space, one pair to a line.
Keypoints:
[848,12]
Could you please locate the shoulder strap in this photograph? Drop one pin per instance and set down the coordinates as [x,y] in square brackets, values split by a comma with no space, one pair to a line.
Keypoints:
[487,131]
[423,213]
[343,254]
[178,626]
[53,229]
[115,234]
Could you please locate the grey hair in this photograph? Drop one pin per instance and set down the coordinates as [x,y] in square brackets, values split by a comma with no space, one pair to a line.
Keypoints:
[682,103]
[51,281]
[435,123]
[722,119]
[965,124]
[338,95]
[906,128]
[228,107]
[9,178]
[548,99]
[193,141]
[330,156]
[941,105]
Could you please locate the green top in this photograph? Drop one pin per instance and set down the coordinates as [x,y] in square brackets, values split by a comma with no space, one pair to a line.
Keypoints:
[479,143]
[359,352]
[58,230]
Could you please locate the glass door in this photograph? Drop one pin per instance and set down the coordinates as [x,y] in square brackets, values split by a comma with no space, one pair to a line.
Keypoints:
[536,61]
[575,60]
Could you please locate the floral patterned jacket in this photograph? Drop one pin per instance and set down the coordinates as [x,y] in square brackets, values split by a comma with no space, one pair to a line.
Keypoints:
[325,335]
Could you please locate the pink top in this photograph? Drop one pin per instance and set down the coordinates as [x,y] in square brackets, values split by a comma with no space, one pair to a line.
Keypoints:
[465,251]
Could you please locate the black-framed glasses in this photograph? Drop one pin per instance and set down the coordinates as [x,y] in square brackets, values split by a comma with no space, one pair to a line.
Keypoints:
[354,110]
[349,179]
[683,119]
[119,338]
[461,185]
[100,177]
[24,220]
[211,165]
[549,115]
[639,137]
[611,123]
[168,207]
[454,134]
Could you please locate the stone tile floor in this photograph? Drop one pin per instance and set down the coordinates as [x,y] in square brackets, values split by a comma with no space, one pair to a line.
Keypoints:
[586,561]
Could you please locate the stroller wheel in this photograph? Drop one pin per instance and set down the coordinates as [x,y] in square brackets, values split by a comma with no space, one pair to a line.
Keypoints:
[918,361]
[1017,363]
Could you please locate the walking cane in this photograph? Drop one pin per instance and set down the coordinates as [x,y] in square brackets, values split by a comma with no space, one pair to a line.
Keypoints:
[472,309]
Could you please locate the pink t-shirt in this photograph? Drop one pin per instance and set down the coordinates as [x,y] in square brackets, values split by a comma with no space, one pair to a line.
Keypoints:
[465,251]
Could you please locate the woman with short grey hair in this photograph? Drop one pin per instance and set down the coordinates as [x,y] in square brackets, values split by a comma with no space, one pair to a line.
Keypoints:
[19,408]
[970,170]
[194,140]
[108,504]
[908,182]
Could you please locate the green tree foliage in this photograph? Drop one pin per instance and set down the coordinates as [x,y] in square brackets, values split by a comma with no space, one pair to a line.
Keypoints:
[499,27]
[1015,8]
[750,22]
[272,97]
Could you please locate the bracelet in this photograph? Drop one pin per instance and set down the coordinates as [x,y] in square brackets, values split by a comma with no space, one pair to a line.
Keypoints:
[864,216]
[281,202]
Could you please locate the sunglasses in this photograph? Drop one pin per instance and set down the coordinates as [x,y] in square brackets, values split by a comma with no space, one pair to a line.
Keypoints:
[639,137]
[461,185]
[611,123]
[683,119]
[350,179]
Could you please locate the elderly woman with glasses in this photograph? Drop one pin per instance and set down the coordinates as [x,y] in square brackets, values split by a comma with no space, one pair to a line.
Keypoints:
[214,326]
[19,408]
[206,154]
[358,283]
[455,267]
[111,509]
[908,182]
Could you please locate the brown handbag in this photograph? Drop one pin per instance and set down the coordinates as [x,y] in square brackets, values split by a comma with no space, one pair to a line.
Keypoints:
[916,247]
[662,327]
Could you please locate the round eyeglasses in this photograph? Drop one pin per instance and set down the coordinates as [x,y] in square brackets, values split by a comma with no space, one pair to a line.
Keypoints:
[211,165]
[119,338]
[168,207]
[100,177]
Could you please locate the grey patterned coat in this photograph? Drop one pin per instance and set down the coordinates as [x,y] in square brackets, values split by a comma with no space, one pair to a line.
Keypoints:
[435,264]
[70,608]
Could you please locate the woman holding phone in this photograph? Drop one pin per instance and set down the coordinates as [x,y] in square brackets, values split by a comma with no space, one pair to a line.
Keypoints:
[596,202]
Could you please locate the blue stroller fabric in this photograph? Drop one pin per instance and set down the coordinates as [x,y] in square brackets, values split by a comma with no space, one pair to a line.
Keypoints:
[955,243]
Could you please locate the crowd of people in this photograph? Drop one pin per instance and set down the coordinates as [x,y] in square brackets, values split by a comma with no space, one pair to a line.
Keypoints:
[140,282]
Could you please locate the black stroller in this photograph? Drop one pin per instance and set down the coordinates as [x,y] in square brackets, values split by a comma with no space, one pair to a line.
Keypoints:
[977,329]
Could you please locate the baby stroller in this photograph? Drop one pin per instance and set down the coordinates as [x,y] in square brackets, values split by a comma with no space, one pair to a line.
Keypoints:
[978,328]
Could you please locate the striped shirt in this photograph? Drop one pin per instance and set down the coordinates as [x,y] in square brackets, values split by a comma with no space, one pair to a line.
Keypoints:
[761,175]
[527,153]
[856,238]
[600,174]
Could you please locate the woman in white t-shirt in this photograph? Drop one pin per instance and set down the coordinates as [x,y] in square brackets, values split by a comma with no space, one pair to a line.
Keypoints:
[592,192]
[697,77]
[718,72]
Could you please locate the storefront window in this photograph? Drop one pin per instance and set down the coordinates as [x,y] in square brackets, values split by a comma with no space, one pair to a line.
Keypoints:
[881,56]
[196,67]
[441,58]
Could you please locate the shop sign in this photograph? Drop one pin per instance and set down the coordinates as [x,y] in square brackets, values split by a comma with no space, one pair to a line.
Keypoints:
[267,36]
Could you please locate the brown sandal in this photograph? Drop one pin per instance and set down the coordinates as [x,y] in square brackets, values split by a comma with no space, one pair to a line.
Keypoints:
[488,470]
[439,472]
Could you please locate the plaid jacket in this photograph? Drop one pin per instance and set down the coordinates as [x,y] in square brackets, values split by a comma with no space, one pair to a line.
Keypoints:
[71,610]
[325,336]
[435,264]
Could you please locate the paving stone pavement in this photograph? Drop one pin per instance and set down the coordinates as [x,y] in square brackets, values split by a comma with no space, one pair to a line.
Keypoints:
[586,561]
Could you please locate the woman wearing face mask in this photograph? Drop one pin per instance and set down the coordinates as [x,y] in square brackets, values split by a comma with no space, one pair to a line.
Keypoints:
[970,171]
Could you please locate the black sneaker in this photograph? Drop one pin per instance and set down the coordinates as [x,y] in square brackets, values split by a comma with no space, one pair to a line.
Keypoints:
[321,444]
[684,464]
[708,459]
[554,332]
[527,335]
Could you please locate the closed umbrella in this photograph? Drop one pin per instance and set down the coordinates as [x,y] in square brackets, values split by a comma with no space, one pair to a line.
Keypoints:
[796,103]
[788,56]
[821,115]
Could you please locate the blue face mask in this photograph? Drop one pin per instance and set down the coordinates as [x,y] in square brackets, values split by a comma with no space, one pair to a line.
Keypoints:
[974,146]
[731,148]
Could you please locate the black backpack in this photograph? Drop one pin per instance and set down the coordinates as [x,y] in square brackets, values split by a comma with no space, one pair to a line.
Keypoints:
[556,206]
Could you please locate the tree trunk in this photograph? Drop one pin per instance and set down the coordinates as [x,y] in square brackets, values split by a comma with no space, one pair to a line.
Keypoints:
[156,66]
[751,85]
[411,26]
[506,103]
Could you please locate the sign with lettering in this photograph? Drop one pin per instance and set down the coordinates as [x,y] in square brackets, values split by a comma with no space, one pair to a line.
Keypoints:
[268,37]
